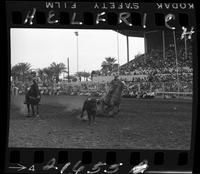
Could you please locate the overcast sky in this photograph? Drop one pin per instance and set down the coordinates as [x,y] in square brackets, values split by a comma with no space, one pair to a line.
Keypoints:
[41,47]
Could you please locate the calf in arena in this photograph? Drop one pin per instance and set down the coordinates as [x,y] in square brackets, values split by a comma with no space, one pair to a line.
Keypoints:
[90,106]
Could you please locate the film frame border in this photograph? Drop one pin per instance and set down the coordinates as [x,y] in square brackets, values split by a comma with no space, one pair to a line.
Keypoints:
[185,154]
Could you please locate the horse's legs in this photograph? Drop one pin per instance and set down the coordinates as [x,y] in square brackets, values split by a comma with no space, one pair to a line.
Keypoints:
[89,118]
[94,117]
[33,109]
[37,110]
[82,112]
[83,109]
[28,107]
[104,107]
[117,106]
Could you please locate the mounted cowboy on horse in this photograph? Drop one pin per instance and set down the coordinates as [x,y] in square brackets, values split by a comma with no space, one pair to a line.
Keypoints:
[33,96]
[112,100]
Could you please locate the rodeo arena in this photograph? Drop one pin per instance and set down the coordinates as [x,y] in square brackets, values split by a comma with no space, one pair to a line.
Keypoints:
[145,103]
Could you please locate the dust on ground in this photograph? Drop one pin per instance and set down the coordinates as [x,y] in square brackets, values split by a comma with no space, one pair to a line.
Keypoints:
[141,124]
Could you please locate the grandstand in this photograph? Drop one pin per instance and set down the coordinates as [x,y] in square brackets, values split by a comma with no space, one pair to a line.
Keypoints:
[172,77]
[161,69]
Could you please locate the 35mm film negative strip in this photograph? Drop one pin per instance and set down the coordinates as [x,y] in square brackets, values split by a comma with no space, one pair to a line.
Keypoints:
[101,87]
[95,161]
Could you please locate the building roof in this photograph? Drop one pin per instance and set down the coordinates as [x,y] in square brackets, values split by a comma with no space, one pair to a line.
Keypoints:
[136,33]
[132,33]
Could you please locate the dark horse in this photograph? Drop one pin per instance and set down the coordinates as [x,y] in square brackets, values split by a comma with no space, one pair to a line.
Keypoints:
[32,98]
[110,103]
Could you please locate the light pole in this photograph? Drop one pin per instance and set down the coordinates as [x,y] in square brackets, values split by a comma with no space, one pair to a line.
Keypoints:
[163,39]
[76,33]
[127,41]
[176,56]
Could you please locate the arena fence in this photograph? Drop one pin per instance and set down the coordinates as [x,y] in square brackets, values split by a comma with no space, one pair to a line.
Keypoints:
[165,88]
[162,89]
[159,88]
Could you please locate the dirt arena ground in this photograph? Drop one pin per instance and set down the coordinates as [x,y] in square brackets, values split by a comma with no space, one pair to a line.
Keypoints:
[141,124]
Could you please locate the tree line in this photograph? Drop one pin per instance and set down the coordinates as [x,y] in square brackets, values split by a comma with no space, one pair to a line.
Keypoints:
[22,71]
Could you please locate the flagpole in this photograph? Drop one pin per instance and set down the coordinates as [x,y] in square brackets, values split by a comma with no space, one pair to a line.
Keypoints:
[76,33]
[175,47]
[118,49]
[77,53]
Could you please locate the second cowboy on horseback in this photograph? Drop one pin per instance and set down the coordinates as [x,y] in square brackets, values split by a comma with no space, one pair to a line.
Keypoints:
[114,84]
[113,97]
